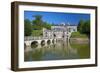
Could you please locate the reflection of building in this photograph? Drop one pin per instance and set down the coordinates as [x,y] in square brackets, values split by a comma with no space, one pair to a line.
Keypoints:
[59,31]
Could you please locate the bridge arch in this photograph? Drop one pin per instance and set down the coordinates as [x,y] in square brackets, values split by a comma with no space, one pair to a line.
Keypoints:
[53,41]
[34,44]
[42,42]
[48,41]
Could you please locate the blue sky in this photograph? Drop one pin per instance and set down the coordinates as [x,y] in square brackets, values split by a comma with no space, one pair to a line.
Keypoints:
[57,17]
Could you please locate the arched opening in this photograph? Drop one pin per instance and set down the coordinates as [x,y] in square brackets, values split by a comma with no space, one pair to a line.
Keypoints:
[54,35]
[34,44]
[53,41]
[42,42]
[48,42]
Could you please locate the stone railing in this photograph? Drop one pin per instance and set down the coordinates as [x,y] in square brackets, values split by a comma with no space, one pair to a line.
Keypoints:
[35,38]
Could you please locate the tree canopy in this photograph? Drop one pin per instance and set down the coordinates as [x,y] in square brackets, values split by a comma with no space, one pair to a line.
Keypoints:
[38,23]
[84,27]
[80,26]
[27,27]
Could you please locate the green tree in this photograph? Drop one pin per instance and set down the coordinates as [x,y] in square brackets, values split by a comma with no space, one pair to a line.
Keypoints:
[37,23]
[80,26]
[27,27]
[86,28]
[46,25]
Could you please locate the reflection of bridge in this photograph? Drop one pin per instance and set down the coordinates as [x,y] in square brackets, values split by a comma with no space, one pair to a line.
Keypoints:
[28,41]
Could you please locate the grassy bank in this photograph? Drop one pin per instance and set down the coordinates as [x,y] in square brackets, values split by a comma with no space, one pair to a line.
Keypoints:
[78,35]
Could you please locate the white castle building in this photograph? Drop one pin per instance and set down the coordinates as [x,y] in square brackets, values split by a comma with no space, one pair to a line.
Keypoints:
[60,31]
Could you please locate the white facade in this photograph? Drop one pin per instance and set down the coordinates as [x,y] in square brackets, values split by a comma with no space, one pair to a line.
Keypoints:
[72,28]
[59,31]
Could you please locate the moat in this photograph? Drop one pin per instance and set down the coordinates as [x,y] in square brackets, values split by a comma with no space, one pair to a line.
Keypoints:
[57,51]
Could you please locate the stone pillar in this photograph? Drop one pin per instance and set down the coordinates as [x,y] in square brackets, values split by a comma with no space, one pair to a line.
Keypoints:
[44,32]
[28,43]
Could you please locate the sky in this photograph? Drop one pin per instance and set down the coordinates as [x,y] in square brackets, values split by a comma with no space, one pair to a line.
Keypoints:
[57,17]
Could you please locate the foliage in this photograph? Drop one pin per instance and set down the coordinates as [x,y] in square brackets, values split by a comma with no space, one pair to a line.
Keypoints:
[27,28]
[38,23]
[78,35]
[47,25]
[84,27]
[37,33]
[38,20]
[80,26]
[35,27]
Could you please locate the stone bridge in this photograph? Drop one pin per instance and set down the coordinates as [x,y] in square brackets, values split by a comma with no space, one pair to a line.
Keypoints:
[28,41]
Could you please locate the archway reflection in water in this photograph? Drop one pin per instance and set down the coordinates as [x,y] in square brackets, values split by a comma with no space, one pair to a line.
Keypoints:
[57,51]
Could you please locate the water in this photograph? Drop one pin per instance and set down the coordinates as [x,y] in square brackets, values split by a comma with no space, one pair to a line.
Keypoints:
[58,51]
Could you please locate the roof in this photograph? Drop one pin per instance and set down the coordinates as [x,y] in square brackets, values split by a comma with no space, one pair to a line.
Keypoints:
[65,25]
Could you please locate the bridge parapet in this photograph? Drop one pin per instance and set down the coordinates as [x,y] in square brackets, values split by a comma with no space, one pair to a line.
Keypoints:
[36,38]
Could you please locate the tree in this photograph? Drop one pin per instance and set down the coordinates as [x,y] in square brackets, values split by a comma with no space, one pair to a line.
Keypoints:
[37,23]
[38,17]
[84,27]
[46,25]
[80,26]
[27,28]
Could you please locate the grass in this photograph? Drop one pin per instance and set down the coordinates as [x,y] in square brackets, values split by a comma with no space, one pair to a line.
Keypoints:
[37,33]
[78,35]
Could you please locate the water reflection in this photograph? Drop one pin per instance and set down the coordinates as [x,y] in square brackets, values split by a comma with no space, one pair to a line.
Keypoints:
[57,51]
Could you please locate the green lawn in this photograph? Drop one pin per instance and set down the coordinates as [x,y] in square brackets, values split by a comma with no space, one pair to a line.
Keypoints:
[78,35]
[37,33]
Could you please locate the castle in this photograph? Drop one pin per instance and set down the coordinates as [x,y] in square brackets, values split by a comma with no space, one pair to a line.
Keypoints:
[60,31]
